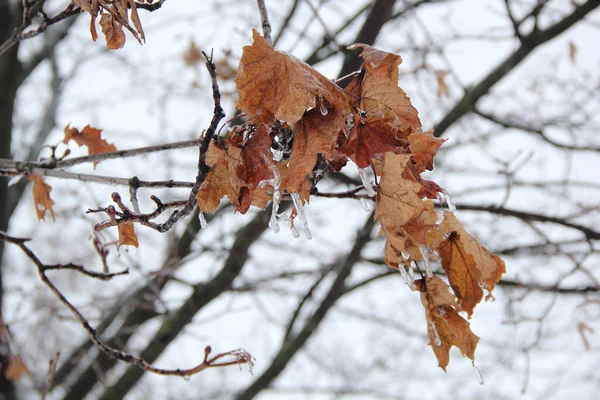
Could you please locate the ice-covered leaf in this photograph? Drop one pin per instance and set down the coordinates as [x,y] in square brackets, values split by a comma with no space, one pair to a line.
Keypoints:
[275,85]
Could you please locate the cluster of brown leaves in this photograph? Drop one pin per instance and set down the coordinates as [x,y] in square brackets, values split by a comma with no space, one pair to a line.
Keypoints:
[373,123]
[92,139]
[114,15]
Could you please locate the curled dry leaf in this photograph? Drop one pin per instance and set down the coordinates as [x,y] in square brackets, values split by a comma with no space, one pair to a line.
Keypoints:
[127,236]
[113,31]
[41,197]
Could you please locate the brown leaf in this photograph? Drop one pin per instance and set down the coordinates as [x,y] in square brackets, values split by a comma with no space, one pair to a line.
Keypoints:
[90,137]
[16,369]
[380,91]
[274,85]
[423,147]
[214,187]
[441,81]
[127,236]
[41,197]
[373,136]
[469,266]
[135,18]
[572,51]
[446,328]
[397,200]
[315,134]
[192,55]
[113,31]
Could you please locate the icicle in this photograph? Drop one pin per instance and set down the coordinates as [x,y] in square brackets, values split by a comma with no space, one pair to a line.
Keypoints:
[436,337]
[362,172]
[323,109]
[275,182]
[451,206]
[444,197]
[277,155]
[424,252]
[203,223]
[479,374]
[187,378]
[411,272]
[440,217]
[300,212]
[365,204]
[406,277]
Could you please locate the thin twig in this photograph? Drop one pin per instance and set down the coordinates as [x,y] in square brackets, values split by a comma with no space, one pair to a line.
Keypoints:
[264,18]
[239,356]
[203,168]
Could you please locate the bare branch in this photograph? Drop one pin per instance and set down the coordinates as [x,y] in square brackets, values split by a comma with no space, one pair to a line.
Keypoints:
[264,18]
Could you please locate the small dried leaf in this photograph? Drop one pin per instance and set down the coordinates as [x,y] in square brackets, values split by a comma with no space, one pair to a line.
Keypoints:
[41,197]
[193,55]
[127,236]
[90,137]
[572,51]
[16,369]
[113,32]
[441,81]
[135,18]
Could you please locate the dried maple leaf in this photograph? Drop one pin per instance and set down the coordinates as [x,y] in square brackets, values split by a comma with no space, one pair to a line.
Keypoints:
[16,369]
[446,328]
[315,134]
[113,31]
[379,90]
[397,201]
[90,137]
[469,266]
[423,147]
[127,236]
[214,187]
[275,85]
[371,137]
[41,197]
[192,55]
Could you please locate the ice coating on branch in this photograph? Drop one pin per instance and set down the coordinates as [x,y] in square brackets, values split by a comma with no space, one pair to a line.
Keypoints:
[300,212]
[436,337]
[203,223]
[406,277]
[364,177]
[275,182]
[444,197]
[365,204]
[411,272]
[425,253]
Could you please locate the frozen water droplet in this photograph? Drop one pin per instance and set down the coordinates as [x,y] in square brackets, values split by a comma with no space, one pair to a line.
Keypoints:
[203,223]
[478,374]
[405,255]
[187,378]
[295,232]
[277,155]
[434,333]
[444,197]
[424,253]
[365,204]
[364,177]
[275,182]
[300,212]
[324,109]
